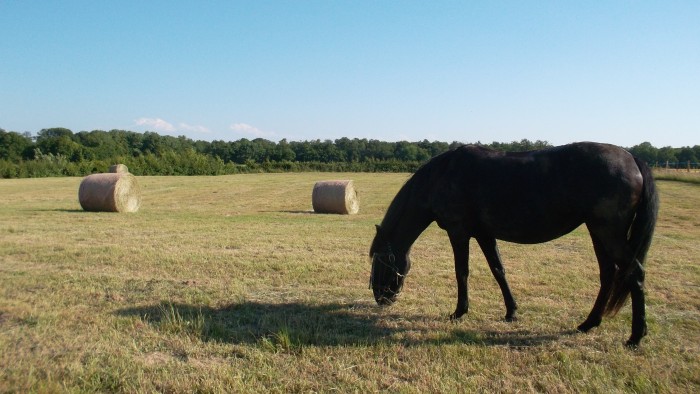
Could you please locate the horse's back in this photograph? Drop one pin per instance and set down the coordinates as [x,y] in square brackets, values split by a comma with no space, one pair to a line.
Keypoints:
[536,196]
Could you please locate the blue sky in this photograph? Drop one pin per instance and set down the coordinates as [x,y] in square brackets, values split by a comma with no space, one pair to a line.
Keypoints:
[622,72]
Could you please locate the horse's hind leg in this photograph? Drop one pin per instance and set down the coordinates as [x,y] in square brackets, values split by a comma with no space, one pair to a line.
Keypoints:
[490,249]
[612,251]
[606,263]
[639,323]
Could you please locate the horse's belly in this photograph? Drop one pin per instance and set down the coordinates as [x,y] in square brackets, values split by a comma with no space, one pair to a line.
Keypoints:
[533,237]
[531,229]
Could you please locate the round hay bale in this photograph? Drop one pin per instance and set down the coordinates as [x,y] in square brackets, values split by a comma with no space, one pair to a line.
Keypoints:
[110,192]
[118,168]
[335,197]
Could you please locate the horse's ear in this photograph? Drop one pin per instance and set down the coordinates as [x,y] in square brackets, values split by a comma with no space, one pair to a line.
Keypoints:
[380,233]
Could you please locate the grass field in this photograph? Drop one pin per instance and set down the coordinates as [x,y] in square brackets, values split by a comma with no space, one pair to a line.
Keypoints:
[230,284]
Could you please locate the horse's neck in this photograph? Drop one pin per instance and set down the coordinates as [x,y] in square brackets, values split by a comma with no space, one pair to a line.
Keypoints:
[405,236]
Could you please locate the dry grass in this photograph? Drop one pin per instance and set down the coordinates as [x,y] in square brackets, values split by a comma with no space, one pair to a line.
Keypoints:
[230,284]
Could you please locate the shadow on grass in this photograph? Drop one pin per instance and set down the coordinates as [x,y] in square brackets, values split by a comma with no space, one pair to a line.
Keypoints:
[298,324]
[65,210]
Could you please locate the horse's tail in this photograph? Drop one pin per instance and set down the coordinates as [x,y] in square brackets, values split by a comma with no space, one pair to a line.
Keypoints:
[638,242]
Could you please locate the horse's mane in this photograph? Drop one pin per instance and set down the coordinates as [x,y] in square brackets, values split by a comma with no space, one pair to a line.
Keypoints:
[397,204]
[419,179]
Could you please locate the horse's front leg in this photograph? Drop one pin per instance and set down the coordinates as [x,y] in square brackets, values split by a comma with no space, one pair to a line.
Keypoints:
[490,249]
[460,247]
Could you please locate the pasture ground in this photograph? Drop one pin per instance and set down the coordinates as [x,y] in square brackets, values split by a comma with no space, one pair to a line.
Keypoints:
[230,284]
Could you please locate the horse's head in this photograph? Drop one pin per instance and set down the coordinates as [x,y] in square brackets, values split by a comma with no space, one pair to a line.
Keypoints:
[389,269]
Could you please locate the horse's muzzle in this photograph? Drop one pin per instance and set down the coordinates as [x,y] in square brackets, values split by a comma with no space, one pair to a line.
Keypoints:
[384,296]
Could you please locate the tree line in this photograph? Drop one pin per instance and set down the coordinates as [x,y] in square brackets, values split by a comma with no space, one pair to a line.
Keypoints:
[61,152]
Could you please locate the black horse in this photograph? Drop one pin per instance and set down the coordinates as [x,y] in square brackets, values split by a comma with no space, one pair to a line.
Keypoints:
[529,197]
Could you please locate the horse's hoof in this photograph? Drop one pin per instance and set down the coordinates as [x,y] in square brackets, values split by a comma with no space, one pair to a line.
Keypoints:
[587,325]
[456,315]
[511,319]
[632,344]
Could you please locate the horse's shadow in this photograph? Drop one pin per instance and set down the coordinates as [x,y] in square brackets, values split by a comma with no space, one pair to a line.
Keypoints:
[300,324]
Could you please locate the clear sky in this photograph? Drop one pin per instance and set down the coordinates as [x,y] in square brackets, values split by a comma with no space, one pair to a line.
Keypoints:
[622,72]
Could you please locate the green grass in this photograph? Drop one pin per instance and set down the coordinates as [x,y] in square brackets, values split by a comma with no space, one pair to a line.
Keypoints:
[230,284]
[678,175]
